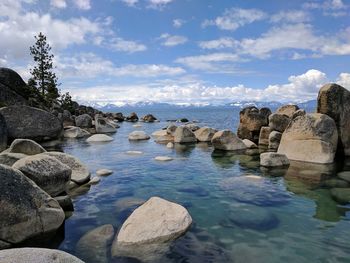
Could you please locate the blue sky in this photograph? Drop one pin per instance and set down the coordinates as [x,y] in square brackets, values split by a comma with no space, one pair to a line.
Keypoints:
[184,51]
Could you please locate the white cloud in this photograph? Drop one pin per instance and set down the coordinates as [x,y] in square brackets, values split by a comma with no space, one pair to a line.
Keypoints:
[291,16]
[221,43]
[298,89]
[210,62]
[120,44]
[170,41]
[159,4]
[344,80]
[82,4]
[59,3]
[177,23]
[333,8]
[130,2]
[234,18]
[88,65]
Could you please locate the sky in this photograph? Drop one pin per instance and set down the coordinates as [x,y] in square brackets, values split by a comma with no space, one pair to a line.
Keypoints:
[183,51]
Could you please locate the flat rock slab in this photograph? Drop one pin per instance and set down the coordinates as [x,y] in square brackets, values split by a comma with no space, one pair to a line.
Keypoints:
[155,221]
[163,158]
[37,255]
[99,138]
[104,172]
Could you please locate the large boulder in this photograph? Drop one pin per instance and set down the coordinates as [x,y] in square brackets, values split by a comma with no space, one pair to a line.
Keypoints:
[83,121]
[264,135]
[25,122]
[274,140]
[13,90]
[67,119]
[184,134]
[47,172]
[162,136]
[9,159]
[334,100]
[138,136]
[26,146]
[171,128]
[3,133]
[149,118]
[103,125]
[310,138]
[278,122]
[80,172]
[132,117]
[93,246]
[39,255]
[205,134]
[288,110]
[251,119]
[26,209]
[75,132]
[227,141]
[156,221]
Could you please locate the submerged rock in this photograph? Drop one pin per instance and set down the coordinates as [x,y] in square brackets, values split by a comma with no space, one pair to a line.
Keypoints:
[183,134]
[25,146]
[205,134]
[156,221]
[345,175]
[310,138]
[38,255]
[335,183]
[99,138]
[271,159]
[93,246]
[80,172]
[47,172]
[138,136]
[94,180]
[334,100]
[341,195]
[227,141]
[27,210]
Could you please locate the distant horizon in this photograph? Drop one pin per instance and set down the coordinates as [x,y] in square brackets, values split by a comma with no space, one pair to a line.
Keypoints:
[183,52]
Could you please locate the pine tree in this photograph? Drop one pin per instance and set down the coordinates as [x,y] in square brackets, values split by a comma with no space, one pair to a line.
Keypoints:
[43,77]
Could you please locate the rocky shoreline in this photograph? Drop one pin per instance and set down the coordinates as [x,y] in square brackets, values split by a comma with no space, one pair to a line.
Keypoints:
[37,184]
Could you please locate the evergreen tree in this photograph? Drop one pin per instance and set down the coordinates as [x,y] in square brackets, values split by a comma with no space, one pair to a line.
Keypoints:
[43,77]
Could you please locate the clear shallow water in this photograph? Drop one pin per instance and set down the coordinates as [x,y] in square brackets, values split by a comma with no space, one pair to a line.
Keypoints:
[241,212]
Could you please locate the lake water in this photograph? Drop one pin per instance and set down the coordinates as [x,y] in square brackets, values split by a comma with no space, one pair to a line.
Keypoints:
[241,212]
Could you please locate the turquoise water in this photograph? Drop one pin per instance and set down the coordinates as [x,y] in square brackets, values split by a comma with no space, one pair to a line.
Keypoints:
[241,212]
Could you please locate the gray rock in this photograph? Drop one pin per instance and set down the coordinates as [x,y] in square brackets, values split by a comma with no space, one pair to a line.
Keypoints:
[170,145]
[310,138]
[271,159]
[9,159]
[75,132]
[138,136]
[298,113]
[251,119]
[250,144]
[80,172]
[162,136]
[335,183]
[93,246]
[29,210]
[264,136]
[205,134]
[288,110]
[274,140]
[193,127]
[132,117]
[227,141]
[37,255]
[149,118]
[171,129]
[103,125]
[278,122]
[163,158]
[47,172]
[94,180]
[184,134]
[3,133]
[345,175]
[83,121]
[334,100]
[26,146]
[104,172]
[25,122]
